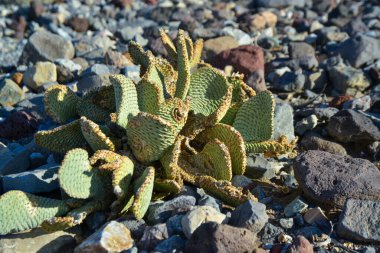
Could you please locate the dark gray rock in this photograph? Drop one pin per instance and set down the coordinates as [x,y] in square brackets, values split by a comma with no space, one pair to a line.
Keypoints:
[250,215]
[270,233]
[360,50]
[295,207]
[208,200]
[360,220]
[42,179]
[173,244]
[280,3]
[137,227]
[174,225]
[351,126]
[289,81]
[13,159]
[46,46]
[153,235]
[213,237]
[283,121]
[330,180]
[259,167]
[162,211]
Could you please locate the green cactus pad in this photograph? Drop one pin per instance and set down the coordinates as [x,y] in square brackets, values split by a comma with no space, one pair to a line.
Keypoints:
[174,111]
[169,45]
[210,93]
[230,116]
[167,186]
[139,56]
[271,147]
[61,103]
[214,160]
[183,67]
[232,139]
[254,120]
[197,53]
[62,138]
[73,218]
[77,178]
[121,166]
[95,136]
[126,99]
[88,109]
[150,96]
[21,211]
[143,189]
[149,136]
[223,190]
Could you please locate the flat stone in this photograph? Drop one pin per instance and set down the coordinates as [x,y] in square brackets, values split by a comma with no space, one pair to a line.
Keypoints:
[313,142]
[13,159]
[221,238]
[329,180]
[173,244]
[350,126]
[10,93]
[42,179]
[208,200]
[162,211]
[199,215]
[259,167]
[283,121]
[112,237]
[250,215]
[40,74]
[46,46]
[295,207]
[213,47]
[39,241]
[315,216]
[360,220]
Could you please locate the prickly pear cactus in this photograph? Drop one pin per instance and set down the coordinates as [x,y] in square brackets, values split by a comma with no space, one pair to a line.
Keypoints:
[128,143]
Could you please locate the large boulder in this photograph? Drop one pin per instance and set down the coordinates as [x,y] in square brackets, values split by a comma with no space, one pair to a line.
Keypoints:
[329,180]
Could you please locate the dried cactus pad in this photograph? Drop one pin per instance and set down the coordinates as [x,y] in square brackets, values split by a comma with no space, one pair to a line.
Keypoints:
[223,190]
[95,136]
[143,189]
[61,103]
[208,89]
[21,211]
[62,139]
[254,120]
[76,176]
[149,136]
[232,139]
[126,99]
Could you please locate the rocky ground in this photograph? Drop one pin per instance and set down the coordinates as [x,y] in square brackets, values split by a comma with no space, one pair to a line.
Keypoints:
[320,58]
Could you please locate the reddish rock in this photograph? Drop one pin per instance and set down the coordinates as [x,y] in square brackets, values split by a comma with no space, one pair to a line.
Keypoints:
[213,237]
[338,102]
[151,2]
[19,26]
[36,9]
[122,3]
[19,125]
[79,24]
[245,59]
[301,245]
[116,59]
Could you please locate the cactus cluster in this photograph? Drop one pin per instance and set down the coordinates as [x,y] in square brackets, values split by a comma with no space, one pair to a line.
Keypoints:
[127,143]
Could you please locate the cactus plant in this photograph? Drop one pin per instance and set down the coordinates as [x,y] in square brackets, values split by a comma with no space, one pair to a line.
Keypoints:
[127,143]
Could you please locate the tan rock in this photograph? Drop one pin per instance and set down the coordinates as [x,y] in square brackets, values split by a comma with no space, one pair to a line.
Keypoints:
[41,73]
[213,47]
